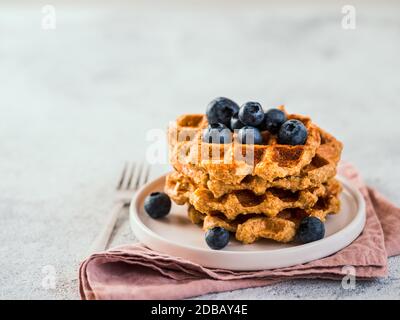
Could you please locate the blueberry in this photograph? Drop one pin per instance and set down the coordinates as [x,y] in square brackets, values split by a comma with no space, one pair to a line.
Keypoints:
[251,114]
[292,132]
[273,120]
[217,133]
[249,135]
[157,205]
[235,122]
[221,110]
[310,229]
[217,238]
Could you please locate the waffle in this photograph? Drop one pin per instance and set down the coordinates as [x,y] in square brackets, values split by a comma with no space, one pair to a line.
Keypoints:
[233,162]
[179,187]
[253,191]
[321,168]
[272,202]
[282,228]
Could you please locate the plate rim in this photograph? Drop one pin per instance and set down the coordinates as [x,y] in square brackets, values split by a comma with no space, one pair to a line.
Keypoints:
[358,223]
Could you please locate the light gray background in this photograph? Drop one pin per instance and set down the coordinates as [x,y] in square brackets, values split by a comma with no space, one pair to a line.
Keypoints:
[78,100]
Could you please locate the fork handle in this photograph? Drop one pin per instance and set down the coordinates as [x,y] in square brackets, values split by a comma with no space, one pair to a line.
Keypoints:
[102,239]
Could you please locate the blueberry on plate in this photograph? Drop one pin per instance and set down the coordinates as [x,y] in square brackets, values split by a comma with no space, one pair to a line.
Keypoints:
[157,205]
[251,114]
[217,238]
[310,229]
[236,123]
[249,135]
[273,120]
[292,132]
[217,133]
[221,110]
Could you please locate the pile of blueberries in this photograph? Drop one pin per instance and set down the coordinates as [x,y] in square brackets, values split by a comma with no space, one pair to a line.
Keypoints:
[224,116]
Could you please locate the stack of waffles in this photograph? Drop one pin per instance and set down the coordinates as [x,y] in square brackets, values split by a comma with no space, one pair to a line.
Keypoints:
[253,191]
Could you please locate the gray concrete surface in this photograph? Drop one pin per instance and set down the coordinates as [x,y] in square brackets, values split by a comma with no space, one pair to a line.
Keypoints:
[77,101]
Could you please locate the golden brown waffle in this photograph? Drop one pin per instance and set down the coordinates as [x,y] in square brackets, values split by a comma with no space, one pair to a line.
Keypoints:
[232,162]
[179,187]
[270,204]
[320,170]
[282,228]
[263,195]
[273,201]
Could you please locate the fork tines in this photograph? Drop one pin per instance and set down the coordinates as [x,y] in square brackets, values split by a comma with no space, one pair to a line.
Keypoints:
[133,176]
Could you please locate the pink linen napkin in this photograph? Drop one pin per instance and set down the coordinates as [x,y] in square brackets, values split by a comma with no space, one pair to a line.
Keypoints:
[136,272]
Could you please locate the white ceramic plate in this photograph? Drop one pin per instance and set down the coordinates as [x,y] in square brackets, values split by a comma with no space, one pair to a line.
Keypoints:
[176,235]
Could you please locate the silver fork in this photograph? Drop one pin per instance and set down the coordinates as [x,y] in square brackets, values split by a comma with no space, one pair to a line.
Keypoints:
[132,178]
